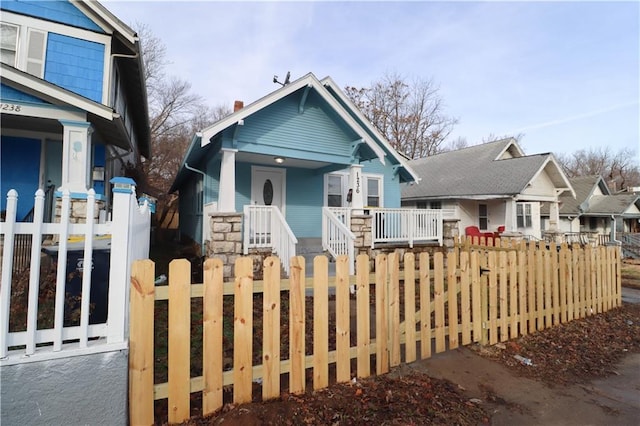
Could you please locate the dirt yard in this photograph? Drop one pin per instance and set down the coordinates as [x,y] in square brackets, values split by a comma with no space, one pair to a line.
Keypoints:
[590,365]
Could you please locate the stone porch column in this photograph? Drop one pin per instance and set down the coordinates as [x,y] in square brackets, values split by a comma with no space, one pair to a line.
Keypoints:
[76,156]
[227,191]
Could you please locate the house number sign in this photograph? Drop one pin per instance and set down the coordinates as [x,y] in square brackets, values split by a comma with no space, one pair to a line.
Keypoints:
[10,107]
[357,182]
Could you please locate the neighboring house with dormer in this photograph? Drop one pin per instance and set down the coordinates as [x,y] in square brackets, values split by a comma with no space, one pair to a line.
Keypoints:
[594,213]
[74,107]
[493,187]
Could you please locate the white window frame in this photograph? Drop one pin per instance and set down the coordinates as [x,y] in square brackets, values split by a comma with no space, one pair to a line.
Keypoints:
[365,194]
[345,183]
[16,47]
[524,219]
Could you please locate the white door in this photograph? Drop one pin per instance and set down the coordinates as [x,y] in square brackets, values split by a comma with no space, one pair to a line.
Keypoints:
[267,187]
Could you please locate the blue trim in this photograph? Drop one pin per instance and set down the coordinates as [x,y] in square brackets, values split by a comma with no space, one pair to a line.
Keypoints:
[119,183]
[79,195]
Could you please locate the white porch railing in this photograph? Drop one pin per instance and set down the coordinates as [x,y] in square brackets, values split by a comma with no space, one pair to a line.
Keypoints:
[406,225]
[129,232]
[337,237]
[266,227]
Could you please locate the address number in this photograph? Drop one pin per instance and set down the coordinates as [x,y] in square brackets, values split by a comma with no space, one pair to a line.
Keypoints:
[10,107]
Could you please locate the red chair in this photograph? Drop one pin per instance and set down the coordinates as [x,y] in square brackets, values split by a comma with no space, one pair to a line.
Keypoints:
[474,231]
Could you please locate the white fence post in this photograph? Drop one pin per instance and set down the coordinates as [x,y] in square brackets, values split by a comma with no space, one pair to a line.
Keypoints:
[7,266]
[124,203]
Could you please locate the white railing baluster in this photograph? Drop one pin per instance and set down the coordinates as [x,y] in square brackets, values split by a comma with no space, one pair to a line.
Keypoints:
[406,226]
[87,270]
[34,272]
[337,238]
[61,277]
[266,227]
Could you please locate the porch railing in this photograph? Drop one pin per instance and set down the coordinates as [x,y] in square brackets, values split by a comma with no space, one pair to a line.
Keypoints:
[337,237]
[266,227]
[406,225]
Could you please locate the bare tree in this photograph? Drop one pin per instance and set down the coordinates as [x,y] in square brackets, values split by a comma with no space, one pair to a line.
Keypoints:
[410,116]
[620,170]
[175,114]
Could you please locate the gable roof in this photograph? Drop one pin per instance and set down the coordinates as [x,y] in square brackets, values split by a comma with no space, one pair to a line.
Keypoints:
[329,93]
[608,205]
[492,170]
[106,121]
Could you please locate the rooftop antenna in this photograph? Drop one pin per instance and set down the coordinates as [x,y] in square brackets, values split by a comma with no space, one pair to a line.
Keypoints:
[286,79]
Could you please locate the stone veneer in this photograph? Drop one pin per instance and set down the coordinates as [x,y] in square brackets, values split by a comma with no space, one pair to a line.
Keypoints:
[226,239]
[78,210]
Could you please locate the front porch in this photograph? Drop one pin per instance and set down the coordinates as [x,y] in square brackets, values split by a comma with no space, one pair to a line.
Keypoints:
[261,231]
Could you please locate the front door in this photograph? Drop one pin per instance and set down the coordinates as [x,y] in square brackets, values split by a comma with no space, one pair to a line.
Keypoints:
[267,189]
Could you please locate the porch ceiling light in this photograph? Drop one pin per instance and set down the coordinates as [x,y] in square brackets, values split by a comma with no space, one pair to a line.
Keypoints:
[278,160]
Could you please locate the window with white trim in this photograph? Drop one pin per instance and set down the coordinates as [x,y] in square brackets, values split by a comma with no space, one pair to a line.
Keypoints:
[523,215]
[483,216]
[8,44]
[374,191]
[29,56]
[335,190]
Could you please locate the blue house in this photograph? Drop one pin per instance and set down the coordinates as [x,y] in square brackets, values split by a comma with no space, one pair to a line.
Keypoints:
[74,108]
[285,161]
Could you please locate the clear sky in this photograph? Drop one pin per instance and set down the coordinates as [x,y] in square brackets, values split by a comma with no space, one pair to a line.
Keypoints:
[564,74]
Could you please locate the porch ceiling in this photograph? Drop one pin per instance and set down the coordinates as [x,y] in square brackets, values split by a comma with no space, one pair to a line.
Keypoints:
[269,160]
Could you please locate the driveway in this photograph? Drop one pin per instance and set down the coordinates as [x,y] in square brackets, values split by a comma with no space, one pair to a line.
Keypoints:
[514,400]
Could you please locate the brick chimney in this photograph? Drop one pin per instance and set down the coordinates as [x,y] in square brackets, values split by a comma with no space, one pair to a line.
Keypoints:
[237,105]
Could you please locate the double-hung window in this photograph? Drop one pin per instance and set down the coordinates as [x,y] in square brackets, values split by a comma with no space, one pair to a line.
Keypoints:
[523,215]
[374,191]
[335,189]
[23,48]
[8,44]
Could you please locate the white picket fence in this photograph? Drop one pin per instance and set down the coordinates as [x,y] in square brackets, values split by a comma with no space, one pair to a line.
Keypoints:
[406,225]
[128,233]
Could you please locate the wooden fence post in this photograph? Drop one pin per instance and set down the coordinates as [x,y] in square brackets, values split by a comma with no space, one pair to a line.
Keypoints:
[179,340]
[410,306]
[425,306]
[141,332]
[243,330]
[394,309]
[382,323]
[438,300]
[343,321]
[212,337]
[452,299]
[320,322]
[271,329]
[297,382]
[363,316]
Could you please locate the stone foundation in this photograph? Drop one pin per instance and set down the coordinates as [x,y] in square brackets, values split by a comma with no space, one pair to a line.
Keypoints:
[78,210]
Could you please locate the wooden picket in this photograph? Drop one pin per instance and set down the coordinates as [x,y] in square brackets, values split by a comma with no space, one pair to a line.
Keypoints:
[481,295]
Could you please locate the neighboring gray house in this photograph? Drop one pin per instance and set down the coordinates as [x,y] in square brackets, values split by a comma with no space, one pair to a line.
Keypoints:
[493,186]
[594,210]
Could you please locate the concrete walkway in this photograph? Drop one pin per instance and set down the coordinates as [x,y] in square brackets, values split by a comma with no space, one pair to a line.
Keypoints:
[630,295]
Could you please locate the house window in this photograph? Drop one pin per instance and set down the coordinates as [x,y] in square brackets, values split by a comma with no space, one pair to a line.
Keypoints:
[436,205]
[334,190]
[8,44]
[422,205]
[374,191]
[523,215]
[593,223]
[483,216]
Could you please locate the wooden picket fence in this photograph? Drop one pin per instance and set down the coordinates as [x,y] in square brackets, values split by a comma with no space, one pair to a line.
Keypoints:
[483,295]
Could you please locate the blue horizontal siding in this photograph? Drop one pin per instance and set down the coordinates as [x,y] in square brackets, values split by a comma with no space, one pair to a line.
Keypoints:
[8,94]
[305,135]
[76,65]
[56,11]
[304,202]
[391,184]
